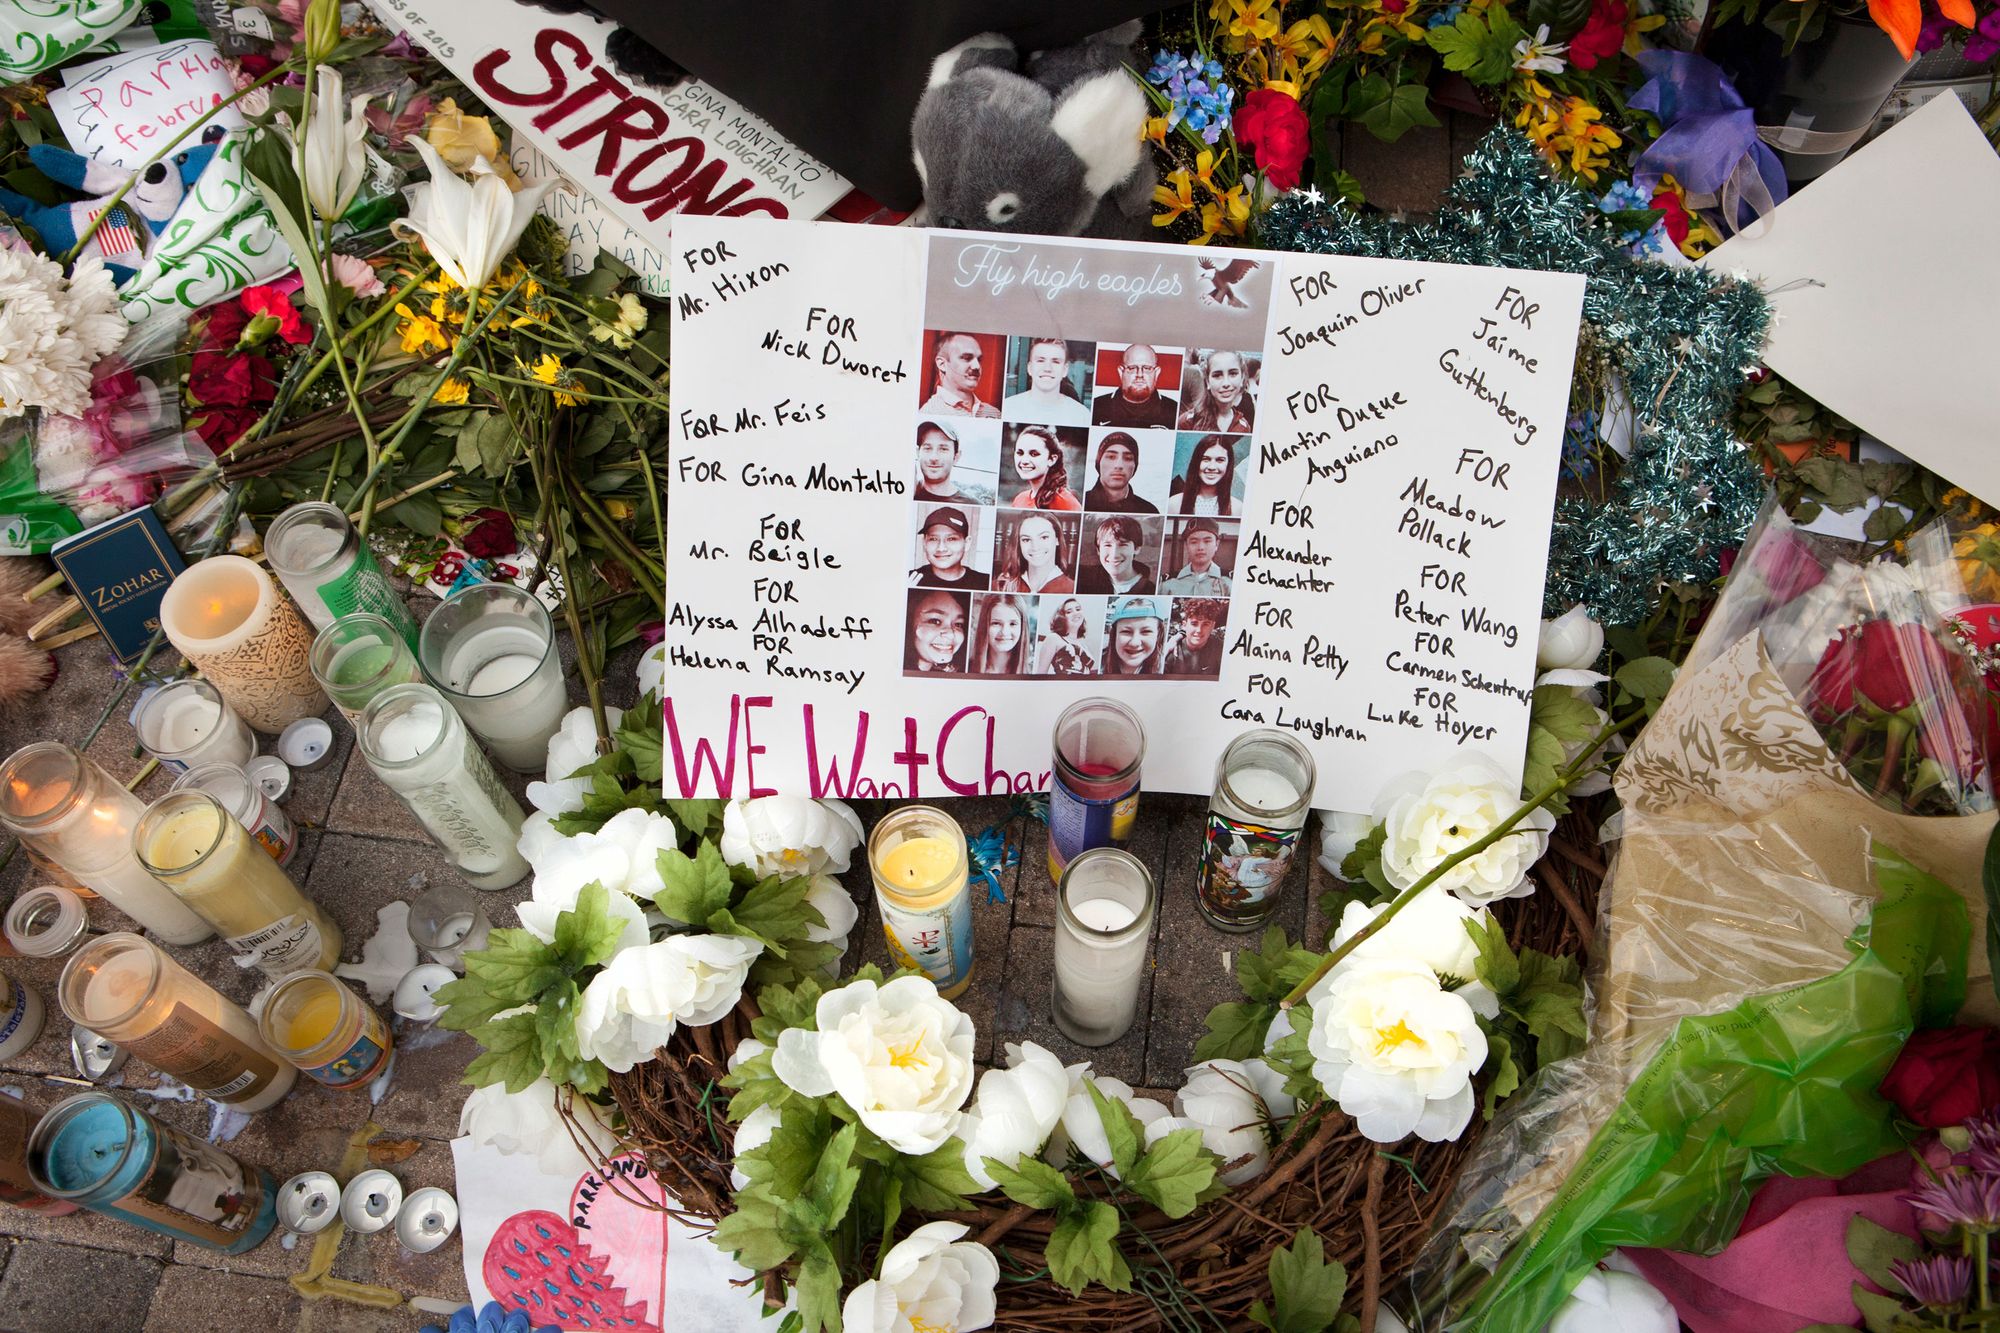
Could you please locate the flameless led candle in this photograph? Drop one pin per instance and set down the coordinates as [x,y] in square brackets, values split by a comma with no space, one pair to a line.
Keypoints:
[917,854]
[126,990]
[75,814]
[1263,793]
[490,649]
[200,851]
[420,749]
[185,723]
[228,618]
[1105,924]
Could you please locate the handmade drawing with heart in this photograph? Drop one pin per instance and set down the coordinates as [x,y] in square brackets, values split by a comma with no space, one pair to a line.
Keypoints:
[603,1267]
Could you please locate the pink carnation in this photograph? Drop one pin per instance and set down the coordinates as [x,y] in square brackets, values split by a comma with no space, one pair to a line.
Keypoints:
[355,274]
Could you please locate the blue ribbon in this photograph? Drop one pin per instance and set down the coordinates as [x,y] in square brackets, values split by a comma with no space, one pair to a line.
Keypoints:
[1708,140]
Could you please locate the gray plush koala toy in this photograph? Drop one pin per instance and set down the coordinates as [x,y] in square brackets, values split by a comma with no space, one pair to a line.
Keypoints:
[1053,149]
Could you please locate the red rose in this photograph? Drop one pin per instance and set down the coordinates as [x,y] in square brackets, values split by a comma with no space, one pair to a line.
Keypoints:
[1946,1075]
[220,427]
[1677,220]
[270,301]
[1274,127]
[491,534]
[222,379]
[1601,37]
[1786,563]
[1890,665]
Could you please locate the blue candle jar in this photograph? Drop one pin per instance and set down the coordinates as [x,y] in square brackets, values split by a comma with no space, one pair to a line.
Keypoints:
[94,1150]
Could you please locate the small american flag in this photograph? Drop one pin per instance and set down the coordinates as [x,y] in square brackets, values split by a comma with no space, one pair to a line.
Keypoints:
[115,237]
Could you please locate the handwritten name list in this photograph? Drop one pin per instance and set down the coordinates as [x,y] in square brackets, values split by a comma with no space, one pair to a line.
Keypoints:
[929,489]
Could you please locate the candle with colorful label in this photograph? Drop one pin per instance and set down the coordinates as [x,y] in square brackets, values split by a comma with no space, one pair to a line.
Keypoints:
[917,854]
[126,990]
[75,814]
[259,815]
[325,1031]
[1263,792]
[17,1186]
[1093,779]
[21,1017]
[418,746]
[490,649]
[200,851]
[1104,929]
[186,723]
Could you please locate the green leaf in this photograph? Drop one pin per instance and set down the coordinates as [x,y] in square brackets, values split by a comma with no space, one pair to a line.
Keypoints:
[1566,717]
[643,744]
[1033,1183]
[1235,1031]
[489,445]
[1647,678]
[1083,1249]
[937,1182]
[818,1289]
[1390,112]
[785,1162]
[776,910]
[696,816]
[694,887]
[1497,965]
[1879,1313]
[1872,1247]
[1306,1286]
[1501,1072]
[1122,1129]
[1545,763]
[786,1007]
[421,514]
[513,1053]
[1278,965]
[1564,17]
[1174,1173]
[833,1182]
[514,967]
[588,934]
[1549,1001]
[1484,55]
[751,1232]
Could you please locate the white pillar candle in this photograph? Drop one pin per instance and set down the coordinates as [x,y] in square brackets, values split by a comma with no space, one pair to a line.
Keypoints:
[186,724]
[420,749]
[1104,929]
[230,620]
[490,649]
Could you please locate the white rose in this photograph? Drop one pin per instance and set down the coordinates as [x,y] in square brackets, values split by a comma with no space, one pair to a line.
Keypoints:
[1339,832]
[932,1279]
[1221,1098]
[900,1055]
[1430,818]
[754,1132]
[528,1122]
[1015,1110]
[652,669]
[573,746]
[789,835]
[1572,639]
[623,856]
[1612,1300]
[1431,930]
[1395,1049]
[631,1008]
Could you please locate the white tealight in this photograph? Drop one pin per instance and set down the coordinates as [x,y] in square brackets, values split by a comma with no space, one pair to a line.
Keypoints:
[1263,789]
[1103,914]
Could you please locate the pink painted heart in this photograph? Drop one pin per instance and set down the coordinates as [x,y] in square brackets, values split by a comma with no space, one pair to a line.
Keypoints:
[631,1236]
[539,1263]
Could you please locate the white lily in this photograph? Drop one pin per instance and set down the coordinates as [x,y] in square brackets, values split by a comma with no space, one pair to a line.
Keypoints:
[467,226]
[331,157]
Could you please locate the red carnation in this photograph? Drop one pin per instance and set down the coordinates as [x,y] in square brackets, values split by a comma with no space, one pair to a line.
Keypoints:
[1601,37]
[226,323]
[1274,127]
[1946,1076]
[270,301]
[491,534]
[219,379]
[220,427]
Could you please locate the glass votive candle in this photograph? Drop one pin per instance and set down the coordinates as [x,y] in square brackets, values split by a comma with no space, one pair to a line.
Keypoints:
[94,1150]
[46,922]
[1263,793]
[917,855]
[22,1014]
[421,750]
[491,650]
[233,624]
[329,570]
[186,723]
[58,801]
[199,850]
[259,815]
[1093,779]
[359,656]
[447,922]
[125,989]
[325,1030]
[1104,928]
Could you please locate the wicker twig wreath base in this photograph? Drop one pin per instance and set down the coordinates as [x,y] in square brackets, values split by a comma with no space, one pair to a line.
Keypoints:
[1373,1213]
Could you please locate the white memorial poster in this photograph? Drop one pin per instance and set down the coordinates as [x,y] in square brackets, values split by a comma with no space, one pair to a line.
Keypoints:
[928,489]
[642,153]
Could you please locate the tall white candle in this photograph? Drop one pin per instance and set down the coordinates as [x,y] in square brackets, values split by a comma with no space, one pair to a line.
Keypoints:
[419,748]
[1103,934]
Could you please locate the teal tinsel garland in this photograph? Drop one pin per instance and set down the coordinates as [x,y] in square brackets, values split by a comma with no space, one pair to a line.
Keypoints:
[1682,339]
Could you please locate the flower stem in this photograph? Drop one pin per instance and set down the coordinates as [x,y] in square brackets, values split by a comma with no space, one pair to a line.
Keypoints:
[1585,762]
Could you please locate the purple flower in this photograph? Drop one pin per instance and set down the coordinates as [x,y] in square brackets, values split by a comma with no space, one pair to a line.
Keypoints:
[1983,1130]
[1960,1199]
[1938,1282]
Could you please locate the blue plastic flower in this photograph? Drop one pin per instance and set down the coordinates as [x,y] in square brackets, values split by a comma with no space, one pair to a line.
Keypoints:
[1447,16]
[491,1318]
[1197,92]
[1579,446]
[991,853]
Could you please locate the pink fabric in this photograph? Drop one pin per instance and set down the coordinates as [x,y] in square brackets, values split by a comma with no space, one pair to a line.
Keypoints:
[1787,1268]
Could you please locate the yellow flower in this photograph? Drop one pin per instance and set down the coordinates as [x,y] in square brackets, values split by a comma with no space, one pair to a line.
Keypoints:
[550,370]
[1252,20]
[630,323]
[1177,196]
[1204,167]
[460,138]
[420,333]
[454,392]
[1229,215]
[1303,50]
[1156,131]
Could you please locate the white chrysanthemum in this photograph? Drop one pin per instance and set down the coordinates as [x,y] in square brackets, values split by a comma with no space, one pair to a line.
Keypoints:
[1395,1049]
[1429,818]
[900,1055]
[931,1280]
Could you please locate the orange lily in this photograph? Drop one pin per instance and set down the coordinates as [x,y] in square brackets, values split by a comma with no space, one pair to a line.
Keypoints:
[1177,196]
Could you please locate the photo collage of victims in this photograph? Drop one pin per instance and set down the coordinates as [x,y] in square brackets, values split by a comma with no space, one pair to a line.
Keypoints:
[1077,507]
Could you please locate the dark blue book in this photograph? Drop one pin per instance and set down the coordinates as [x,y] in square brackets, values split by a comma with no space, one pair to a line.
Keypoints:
[120,570]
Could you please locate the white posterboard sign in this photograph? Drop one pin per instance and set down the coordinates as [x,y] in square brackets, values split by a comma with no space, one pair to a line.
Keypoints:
[588,228]
[928,489]
[123,108]
[642,153]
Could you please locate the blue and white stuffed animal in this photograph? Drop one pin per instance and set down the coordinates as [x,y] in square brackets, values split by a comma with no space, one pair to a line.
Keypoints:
[120,242]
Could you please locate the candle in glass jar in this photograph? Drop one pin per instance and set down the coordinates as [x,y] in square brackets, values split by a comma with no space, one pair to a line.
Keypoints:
[186,723]
[359,656]
[1263,793]
[1093,779]
[330,571]
[125,989]
[325,1030]
[200,851]
[17,1185]
[230,621]
[75,814]
[917,854]
[490,649]
[1104,929]
[419,747]
[259,815]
